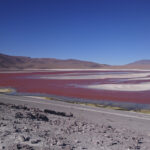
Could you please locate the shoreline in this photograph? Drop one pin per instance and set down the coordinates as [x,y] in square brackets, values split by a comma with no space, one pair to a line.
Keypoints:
[114,105]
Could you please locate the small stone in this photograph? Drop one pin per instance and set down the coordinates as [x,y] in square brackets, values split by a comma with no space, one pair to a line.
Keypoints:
[25,139]
[19,146]
[19,115]
[78,141]
[35,141]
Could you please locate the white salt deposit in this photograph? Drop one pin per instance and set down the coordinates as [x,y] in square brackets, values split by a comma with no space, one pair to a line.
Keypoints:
[122,87]
[128,76]
[99,76]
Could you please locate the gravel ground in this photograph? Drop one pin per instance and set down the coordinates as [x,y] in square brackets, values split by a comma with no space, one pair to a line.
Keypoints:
[28,128]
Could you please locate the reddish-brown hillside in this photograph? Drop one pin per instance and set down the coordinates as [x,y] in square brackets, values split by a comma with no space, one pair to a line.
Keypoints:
[141,64]
[20,62]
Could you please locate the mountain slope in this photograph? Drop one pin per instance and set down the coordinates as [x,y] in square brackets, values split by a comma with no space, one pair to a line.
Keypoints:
[20,62]
[142,64]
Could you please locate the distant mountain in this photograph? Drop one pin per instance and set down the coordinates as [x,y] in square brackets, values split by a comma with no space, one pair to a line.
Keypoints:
[143,64]
[20,62]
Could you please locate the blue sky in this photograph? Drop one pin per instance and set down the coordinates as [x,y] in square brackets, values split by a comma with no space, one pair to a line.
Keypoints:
[104,31]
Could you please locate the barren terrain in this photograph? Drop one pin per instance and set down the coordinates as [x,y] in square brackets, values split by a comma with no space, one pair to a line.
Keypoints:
[34,127]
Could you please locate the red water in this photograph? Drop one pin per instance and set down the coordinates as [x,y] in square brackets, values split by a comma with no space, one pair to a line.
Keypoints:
[22,83]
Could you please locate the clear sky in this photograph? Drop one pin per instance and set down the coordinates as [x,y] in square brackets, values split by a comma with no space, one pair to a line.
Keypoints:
[104,31]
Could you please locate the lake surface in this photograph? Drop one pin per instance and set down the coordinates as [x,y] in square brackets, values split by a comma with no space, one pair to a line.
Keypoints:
[121,86]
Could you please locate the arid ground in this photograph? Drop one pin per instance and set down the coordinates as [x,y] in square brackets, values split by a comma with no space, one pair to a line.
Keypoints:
[31,123]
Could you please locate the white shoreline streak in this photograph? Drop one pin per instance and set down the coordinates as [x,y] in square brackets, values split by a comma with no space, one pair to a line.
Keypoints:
[122,87]
[106,76]
[31,69]
[91,69]
[85,109]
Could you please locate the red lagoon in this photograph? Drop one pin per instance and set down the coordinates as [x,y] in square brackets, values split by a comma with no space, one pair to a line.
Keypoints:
[31,82]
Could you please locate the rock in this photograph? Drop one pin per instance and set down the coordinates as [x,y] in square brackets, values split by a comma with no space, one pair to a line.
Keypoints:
[19,115]
[84,148]
[137,147]
[63,144]
[23,147]
[35,141]
[97,142]
[42,117]
[114,143]
[77,141]
[25,139]
[54,141]
[19,146]
[31,116]
[37,116]
[20,107]
[18,130]
[6,133]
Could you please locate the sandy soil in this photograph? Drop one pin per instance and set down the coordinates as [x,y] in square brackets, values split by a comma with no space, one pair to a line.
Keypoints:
[28,128]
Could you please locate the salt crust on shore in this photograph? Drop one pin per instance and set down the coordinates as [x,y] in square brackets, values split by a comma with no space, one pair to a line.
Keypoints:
[122,87]
[94,76]
[145,86]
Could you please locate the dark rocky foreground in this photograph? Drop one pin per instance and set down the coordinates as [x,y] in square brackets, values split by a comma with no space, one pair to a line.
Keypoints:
[27,128]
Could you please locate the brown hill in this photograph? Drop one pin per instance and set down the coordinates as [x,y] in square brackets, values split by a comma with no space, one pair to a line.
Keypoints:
[141,64]
[20,62]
